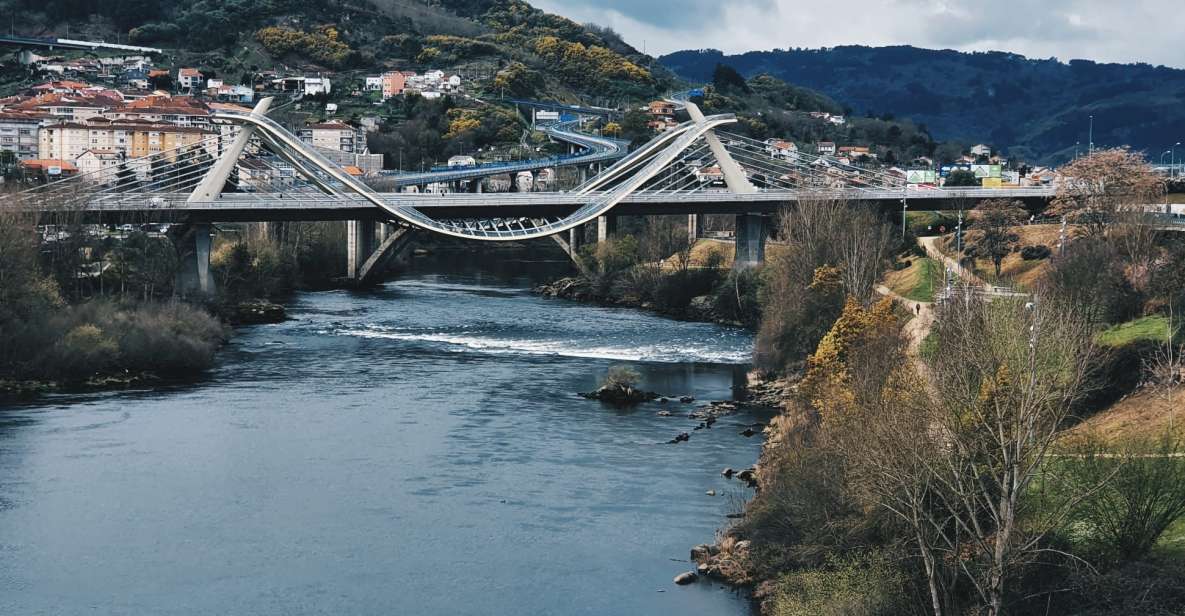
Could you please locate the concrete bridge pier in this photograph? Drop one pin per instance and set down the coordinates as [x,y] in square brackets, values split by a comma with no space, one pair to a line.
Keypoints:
[695,227]
[194,243]
[751,230]
[371,247]
[606,227]
[360,244]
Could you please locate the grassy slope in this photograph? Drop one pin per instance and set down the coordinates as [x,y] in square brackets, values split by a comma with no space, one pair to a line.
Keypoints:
[1153,327]
[916,282]
[1014,269]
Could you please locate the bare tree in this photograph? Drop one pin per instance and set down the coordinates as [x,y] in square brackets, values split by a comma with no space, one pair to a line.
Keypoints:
[1011,373]
[994,238]
[1095,190]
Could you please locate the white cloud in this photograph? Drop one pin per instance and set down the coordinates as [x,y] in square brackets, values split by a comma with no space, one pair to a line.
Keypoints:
[1104,30]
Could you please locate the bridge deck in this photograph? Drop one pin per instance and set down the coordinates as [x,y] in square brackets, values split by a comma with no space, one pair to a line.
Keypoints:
[239,207]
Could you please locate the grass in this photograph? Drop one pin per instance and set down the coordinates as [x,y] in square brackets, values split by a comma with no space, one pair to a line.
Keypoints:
[916,282]
[1172,542]
[1153,328]
[929,347]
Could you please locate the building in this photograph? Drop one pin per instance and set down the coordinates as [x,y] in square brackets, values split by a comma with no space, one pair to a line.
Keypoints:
[661,109]
[134,139]
[826,148]
[343,144]
[230,94]
[981,150]
[48,169]
[393,84]
[779,148]
[190,78]
[374,84]
[18,134]
[99,163]
[333,135]
[69,106]
[316,85]
[856,151]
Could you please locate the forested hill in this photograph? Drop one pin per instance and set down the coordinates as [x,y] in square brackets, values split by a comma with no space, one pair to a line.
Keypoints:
[1038,109]
[538,53]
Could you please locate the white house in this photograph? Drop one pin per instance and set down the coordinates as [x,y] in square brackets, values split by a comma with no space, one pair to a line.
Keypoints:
[190,78]
[981,150]
[779,148]
[374,84]
[316,85]
[99,165]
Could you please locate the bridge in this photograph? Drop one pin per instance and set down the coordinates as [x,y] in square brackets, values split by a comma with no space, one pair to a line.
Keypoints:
[266,174]
[25,42]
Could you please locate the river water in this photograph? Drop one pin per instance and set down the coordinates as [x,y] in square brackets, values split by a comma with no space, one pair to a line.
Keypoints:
[418,449]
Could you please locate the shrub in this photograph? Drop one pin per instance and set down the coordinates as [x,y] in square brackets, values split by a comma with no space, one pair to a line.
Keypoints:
[1035,252]
[621,377]
[84,351]
[862,585]
[1142,493]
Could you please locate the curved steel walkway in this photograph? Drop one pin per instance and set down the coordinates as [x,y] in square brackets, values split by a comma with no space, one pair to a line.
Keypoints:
[323,172]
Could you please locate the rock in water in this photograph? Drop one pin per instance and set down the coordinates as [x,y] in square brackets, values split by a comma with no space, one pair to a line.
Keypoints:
[685,578]
[620,395]
[258,311]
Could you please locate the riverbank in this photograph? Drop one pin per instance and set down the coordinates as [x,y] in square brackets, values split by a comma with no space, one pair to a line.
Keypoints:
[700,308]
[110,345]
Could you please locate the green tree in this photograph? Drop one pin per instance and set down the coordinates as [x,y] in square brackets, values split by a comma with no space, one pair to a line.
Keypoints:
[961,177]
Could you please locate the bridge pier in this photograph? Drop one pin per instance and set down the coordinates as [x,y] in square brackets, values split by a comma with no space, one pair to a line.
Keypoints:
[360,245]
[606,227]
[695,227]
[193,244]
[750,241]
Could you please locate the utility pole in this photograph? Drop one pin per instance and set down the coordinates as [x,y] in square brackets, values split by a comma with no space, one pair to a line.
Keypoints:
[1061,238]
[1091,135]
[904,206]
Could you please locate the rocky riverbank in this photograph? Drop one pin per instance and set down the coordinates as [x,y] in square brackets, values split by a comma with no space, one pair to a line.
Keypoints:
[578,289]
[728,559]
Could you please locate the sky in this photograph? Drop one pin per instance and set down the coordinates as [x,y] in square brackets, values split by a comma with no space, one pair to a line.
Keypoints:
[1150,31]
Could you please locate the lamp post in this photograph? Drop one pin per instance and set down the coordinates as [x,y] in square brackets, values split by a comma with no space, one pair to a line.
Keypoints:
[1173,168]
[904,206]
[1091,135]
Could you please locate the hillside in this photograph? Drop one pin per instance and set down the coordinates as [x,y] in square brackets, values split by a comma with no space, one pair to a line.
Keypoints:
[529,52]
[1036,109]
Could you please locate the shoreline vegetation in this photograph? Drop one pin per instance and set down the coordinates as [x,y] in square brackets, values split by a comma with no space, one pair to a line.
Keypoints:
[88,307]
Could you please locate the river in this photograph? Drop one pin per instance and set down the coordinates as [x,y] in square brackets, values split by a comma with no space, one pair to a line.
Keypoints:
[419,449]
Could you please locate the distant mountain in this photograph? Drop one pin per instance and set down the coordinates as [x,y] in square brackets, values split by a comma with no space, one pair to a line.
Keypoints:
[1036,109]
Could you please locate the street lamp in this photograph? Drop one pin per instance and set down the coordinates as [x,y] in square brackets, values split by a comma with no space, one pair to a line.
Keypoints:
[1172,169]
[1162,159]
[1091,135]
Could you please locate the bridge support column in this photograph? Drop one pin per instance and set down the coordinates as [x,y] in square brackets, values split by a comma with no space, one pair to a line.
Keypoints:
[374,263]
[695,227]
[359,246]
[606,227]
[750,240]
[193,256]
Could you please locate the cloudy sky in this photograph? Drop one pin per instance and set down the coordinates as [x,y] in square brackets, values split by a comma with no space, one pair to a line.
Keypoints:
[1106,30]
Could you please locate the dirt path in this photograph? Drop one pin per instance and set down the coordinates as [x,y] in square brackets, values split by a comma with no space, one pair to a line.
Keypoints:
[930,245]
[919,326]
